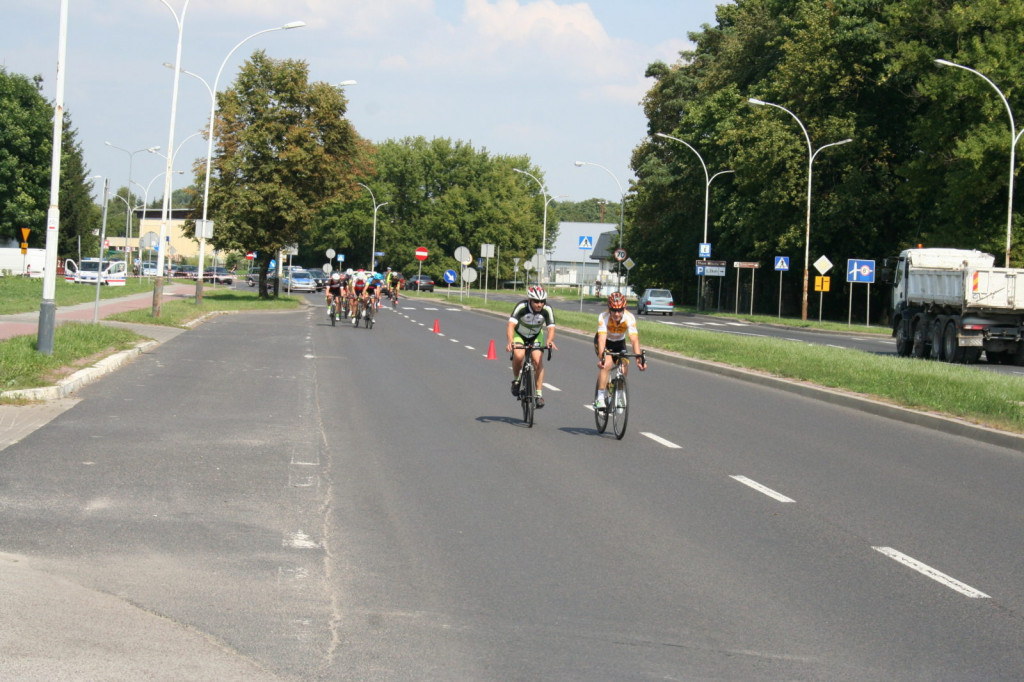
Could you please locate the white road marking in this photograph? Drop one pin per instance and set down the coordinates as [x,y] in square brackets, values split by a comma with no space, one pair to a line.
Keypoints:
[930,572]
[659,439]
[299,540]
[762,489]
[553,388]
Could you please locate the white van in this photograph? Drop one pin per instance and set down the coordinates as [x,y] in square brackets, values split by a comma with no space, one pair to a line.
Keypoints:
[111,272]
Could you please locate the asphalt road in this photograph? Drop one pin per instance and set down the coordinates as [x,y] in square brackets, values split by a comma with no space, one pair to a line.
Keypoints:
[317,502]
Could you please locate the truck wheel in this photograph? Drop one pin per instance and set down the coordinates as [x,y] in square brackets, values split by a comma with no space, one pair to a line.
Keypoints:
[920,345]
[937,347]
[903,341]
[950,346]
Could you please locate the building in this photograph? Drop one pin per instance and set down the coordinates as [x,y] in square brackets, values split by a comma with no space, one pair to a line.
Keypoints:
[181,244]
[582,254]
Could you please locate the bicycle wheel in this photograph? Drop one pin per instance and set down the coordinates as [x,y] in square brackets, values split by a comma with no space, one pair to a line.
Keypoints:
[620,409]
[368,314]
[600,416]
[527,387]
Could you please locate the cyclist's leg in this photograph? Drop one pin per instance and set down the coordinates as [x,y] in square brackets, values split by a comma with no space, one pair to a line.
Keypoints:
[538,360]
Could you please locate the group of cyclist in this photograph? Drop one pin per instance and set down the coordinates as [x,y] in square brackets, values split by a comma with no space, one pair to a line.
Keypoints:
[349,289]
[533,319]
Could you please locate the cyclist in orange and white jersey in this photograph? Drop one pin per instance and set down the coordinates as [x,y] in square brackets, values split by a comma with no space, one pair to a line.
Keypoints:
[613,326]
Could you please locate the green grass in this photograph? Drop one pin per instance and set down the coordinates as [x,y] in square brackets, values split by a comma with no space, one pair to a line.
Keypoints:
[995,400]
[23,294]
[178,313]
[75,345]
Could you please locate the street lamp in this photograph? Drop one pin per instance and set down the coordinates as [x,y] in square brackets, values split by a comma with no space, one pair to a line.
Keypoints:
[158,286]
[707,194]
[128,220]
[373,243]
[622,207]
[202,229]
[1014,137]
[810,165]
[145,199]
[544,235]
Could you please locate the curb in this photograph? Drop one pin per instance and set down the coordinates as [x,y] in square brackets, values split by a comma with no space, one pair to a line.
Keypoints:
[69,385]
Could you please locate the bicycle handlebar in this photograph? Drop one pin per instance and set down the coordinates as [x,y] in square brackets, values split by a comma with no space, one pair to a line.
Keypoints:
[532,346]
[618,355]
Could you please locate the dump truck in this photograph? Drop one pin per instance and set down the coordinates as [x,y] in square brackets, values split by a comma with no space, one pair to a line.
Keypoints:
[953,304]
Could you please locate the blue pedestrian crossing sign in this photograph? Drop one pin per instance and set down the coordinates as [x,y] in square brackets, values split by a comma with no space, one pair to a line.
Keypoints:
[862,271]
[586,243]
[782,263]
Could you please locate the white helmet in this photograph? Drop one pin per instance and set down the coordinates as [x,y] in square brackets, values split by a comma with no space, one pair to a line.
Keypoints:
[349,272]
[536,294]
[335,277]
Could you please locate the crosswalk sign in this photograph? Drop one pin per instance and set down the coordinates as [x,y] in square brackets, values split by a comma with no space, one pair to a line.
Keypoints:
[586,242]
[782,263]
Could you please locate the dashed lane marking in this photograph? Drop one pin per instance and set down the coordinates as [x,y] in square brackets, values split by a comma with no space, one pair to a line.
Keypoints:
[762,489]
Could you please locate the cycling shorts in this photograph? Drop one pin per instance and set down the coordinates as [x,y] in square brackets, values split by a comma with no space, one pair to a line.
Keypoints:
[618,346]
[516,338]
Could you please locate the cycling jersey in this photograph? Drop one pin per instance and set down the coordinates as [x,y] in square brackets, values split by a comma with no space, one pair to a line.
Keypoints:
[359,283]
[528,323]
[616,330]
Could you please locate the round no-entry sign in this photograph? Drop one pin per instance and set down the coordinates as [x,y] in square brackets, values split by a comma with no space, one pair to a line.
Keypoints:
[421,253]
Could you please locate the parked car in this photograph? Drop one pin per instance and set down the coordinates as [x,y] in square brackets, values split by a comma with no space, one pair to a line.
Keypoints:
[319,277]
[149,269]
[655,300]
[419,283]
[297,280]
[184,271]
[218,275]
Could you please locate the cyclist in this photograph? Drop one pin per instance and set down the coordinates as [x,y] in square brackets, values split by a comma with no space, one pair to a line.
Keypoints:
[373,288]
[530,320]
[391,281]
[613,326]
[358,291]
[334,290]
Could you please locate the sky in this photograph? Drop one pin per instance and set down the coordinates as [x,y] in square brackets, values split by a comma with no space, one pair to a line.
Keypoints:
[559,81]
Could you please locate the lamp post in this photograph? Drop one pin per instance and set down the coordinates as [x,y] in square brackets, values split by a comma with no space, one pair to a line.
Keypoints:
[622,207]
[128,208]
[158,285]
[48,304]
[202,231]
[707,196]
[373,243]
[145,198]
[1014,138]
[544,234]
[811,153]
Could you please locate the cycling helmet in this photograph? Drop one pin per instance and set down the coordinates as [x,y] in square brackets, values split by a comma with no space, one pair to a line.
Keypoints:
[536,294]
[349,272]
[616,301]
[379,277]
[335,277]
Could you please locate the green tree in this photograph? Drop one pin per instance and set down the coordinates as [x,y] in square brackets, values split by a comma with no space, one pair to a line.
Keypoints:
[283,149]
[26,131]
[441,195]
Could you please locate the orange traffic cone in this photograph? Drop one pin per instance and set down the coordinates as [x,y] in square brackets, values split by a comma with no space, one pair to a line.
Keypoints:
[490,351]
[437,327]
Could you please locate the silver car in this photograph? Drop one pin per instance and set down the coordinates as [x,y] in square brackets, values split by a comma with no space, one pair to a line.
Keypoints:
[657,301]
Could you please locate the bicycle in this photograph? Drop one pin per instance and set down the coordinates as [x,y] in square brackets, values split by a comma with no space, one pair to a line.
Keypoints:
[365,308]
[616,397]
[393,294]
[527,379]
[332,311]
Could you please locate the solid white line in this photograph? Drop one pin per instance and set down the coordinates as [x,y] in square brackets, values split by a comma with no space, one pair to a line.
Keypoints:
[659,439]
[762,489]
[552,388]
[930,572]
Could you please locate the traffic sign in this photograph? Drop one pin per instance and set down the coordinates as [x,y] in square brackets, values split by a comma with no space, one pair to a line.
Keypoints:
[750,265]
[330,253]
[860,271]
[586,243]
[421,253]
[450,277]
[710,270]
[463,255]
[822,265]
[704,250]
[251,255]
[24,234]
[822,283]
[782,263]
[620,255]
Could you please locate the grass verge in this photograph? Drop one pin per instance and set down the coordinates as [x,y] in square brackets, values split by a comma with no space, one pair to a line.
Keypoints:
[24,294]
[75,345]
[986,398]
[180,312]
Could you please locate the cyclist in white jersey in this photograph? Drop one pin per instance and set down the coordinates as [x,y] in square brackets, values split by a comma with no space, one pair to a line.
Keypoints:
[531,319]
[613,326]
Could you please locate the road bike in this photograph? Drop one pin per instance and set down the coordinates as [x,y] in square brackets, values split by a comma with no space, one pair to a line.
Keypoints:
[332,310]
[365,308]
[393,295]
[616,397]
[527,379]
